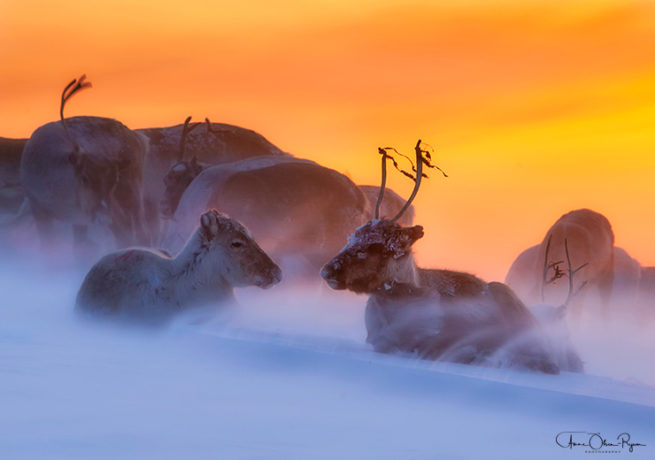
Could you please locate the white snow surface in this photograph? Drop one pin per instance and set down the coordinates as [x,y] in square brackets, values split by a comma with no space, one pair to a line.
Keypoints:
[287,374]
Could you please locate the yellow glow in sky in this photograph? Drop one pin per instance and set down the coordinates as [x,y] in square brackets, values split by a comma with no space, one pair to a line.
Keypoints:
[535,108]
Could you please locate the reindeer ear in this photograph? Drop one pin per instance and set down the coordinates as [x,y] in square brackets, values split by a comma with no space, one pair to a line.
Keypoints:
[209,222]
[412,234]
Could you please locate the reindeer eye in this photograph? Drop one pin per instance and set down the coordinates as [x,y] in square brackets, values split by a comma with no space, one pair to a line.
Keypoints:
[361,255]
[237,244]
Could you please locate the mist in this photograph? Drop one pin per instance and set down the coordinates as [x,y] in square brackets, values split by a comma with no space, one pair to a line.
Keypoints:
[286,373]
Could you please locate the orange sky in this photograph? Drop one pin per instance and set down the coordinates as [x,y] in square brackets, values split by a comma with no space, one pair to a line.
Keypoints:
[535,108]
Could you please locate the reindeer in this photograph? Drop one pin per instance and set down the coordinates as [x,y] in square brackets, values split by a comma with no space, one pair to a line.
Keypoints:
[85,169]
[150,286]
[297,210]
[217,143]
[180,175]
[590,237]
[436,314]
[184,172]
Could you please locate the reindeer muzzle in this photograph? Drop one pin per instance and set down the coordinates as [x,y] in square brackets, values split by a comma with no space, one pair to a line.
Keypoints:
[273,278]
[329,273]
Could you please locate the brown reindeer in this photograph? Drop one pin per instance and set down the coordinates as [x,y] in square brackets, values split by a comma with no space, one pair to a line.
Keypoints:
[297,209]
[180,175]
[85,169]
[177,154]
[436,314]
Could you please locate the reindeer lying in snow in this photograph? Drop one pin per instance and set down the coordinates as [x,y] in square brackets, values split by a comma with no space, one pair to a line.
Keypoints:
[85,169]
[437,314]
[150,286]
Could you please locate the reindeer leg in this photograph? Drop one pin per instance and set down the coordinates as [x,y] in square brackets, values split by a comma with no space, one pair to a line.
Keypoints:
[44,224]
[121,229]
[81,242]
[128,214]
[80,235]
[605,285]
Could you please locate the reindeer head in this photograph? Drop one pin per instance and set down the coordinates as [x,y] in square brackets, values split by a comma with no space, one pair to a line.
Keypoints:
[234,253]
[176,181]
[379,253]
[180,175]
[377,250]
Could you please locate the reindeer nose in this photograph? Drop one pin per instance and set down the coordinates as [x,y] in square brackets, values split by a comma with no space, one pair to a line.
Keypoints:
[274,277]
[330,274]
[327,271]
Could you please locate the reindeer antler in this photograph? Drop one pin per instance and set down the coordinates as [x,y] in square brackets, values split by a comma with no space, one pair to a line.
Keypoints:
[185,131]
[210,128]
[417,169]
[417,180]
[572,273]
[559,273]
[547,266]
[420,162]
[76,85]
[383,184]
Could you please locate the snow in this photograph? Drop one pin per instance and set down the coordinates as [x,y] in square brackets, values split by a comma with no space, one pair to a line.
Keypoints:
[287,375]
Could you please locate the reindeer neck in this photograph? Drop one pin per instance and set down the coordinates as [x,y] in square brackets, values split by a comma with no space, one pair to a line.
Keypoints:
[193,273]
[403,271]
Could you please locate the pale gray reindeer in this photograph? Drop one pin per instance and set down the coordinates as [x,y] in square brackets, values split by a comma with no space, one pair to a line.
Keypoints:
[150,286]
[553,318]
[83,170]
[436,314]
[608,270]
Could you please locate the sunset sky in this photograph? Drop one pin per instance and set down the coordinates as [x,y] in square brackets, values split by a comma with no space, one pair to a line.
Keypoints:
[535,107]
